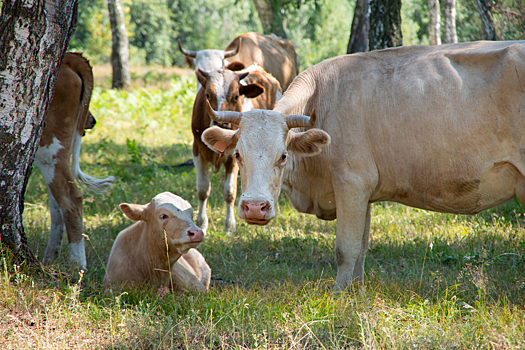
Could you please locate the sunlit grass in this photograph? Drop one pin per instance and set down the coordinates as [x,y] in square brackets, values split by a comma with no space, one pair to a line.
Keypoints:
[433,281]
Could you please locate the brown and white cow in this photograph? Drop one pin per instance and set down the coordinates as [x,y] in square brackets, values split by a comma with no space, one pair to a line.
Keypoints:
[158,249]
[227,91]
[434,127]
[66,120]
[208,60]
[276,55]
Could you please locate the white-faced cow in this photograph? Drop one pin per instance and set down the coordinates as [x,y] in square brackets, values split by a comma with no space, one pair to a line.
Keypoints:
[158,250]
[227,91]
[276,55]
[434,127]
[208,60]
[67,118]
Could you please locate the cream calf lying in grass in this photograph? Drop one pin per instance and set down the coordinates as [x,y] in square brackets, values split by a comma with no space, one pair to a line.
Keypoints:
[162,240]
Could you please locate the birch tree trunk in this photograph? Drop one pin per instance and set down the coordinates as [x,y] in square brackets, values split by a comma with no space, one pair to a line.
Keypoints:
[270,17]
[434,23]
[33,38]
[484,6]
[119,47]
[360,26]
[449,17]
[385,24]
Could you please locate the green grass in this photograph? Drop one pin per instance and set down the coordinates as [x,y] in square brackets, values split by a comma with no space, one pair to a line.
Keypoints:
[433,281]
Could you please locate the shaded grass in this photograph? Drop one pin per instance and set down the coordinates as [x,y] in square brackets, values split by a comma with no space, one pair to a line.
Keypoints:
[433,281]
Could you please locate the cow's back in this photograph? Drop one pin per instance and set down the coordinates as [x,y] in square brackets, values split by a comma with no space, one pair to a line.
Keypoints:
[276,55]
[439,128]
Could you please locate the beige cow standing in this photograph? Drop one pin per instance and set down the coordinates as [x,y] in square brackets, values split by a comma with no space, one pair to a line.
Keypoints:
[158,250]
[66,121]
[439,128]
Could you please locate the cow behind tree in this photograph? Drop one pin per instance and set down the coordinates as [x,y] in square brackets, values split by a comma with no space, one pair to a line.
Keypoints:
[227,91]
[434,127]
[66,121]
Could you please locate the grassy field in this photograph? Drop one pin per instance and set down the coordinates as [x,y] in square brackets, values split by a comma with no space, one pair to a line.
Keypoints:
[433,281]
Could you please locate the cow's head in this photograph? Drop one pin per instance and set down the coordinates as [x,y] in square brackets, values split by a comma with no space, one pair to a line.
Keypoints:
[208,60]
[223,88]
[262,147]
[170,214]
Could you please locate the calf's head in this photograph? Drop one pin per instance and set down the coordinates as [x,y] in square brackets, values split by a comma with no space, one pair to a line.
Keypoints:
[262,147]
[171,214]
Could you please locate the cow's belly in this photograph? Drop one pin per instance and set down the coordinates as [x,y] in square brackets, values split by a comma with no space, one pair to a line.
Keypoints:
[494,186]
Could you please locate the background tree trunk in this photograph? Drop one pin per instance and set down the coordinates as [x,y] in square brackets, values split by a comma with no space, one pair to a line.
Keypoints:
[119,47]
[33,39]
[270,15]
[449,17]
[484,6]
[360,25]
[434,23]
[385,24]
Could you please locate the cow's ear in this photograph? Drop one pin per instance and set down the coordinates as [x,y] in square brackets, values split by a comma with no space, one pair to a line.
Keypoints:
[133,211]
[235,66]
[202,76]
[308,143]
[220,140]
[251,90]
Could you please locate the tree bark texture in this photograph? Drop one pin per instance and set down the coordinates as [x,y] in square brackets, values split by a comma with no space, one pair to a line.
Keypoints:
[484,7]
[449,18]
[434,23]
[360,26]
[385,24]
[119,47]
[33,39]
[270,15]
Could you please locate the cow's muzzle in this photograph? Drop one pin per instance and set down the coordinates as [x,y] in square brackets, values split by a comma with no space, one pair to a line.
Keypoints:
[256,212]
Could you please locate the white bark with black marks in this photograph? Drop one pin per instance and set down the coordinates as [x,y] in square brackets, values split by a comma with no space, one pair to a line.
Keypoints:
[119,47]
[434,23]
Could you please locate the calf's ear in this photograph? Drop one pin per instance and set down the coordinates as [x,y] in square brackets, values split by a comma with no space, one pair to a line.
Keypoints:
[220,140]
[308,143]
[133,211]
[251,90]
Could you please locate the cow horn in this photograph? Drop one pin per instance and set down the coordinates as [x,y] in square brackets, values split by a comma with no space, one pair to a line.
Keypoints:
[187,52]
[224,116]
[233,52]
[298,121]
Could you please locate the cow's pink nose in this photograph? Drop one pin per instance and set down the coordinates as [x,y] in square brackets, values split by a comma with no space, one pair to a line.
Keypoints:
[255,209]
[196,235]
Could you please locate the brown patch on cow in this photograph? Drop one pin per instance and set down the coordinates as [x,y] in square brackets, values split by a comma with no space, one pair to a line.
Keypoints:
[339,256]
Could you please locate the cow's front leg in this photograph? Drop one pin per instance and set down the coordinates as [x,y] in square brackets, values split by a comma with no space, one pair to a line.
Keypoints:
[229,192]
[203,190]
[351,241]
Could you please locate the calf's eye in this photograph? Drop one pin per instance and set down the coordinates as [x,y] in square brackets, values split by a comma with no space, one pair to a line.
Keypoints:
[163,216]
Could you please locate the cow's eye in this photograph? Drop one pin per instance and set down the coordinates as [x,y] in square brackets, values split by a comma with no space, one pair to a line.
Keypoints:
[236,98]
[163,216]
[207,96]
[237,156]
[283,159]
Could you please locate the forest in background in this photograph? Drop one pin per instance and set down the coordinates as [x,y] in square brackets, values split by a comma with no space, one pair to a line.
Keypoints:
[319,29]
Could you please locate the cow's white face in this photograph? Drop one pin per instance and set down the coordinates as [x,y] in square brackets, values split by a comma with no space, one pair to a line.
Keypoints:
[262,147]
[171,215]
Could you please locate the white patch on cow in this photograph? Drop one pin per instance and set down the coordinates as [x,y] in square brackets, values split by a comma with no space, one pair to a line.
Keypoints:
[209,60]
[221,88]
[247,104]
[46,159]
[77,254]
[230,223]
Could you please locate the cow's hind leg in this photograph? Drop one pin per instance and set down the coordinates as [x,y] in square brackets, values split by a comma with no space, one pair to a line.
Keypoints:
[229,192]
[69,199]
[57,229]
[203,190]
